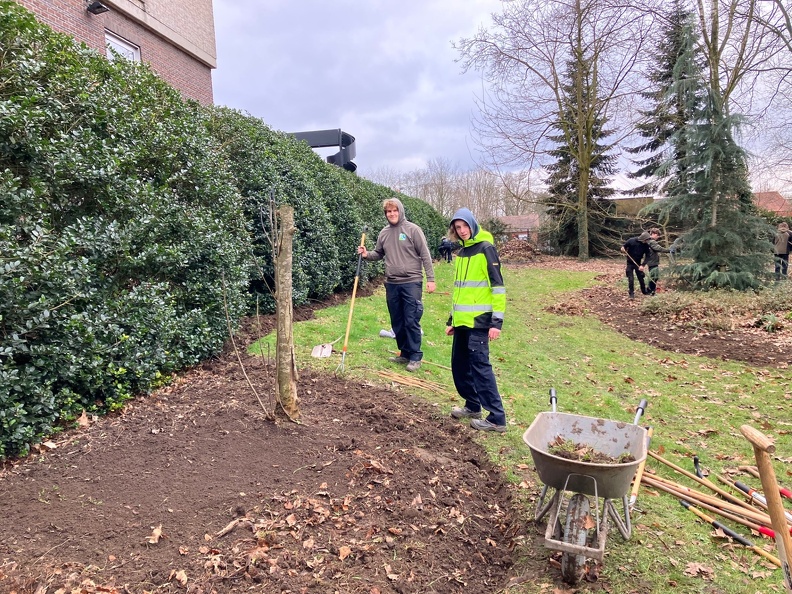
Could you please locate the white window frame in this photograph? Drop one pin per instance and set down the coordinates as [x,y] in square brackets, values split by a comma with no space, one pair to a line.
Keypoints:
[125,48]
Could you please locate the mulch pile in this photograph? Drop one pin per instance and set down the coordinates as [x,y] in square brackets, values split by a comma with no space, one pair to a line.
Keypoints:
[516,251]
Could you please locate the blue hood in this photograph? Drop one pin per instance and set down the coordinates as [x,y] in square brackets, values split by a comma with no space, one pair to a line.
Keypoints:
[464,214]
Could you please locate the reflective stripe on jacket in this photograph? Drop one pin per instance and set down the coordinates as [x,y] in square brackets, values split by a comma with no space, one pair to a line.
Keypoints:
[479,298]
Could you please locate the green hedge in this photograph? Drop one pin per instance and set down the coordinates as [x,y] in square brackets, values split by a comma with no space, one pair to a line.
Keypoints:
[131,224]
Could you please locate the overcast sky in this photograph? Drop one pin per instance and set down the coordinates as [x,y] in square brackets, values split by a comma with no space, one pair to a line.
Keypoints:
[383,71]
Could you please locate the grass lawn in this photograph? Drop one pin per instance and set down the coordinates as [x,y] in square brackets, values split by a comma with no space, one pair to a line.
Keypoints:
[696,406]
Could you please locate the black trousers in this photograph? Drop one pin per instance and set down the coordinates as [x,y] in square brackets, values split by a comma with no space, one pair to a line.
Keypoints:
[633,269]
[473,375]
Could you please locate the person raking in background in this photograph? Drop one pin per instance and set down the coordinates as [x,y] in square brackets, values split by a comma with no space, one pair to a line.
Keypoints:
[478,304]
[636,249]
[653,261]
[403,246]
[445,249]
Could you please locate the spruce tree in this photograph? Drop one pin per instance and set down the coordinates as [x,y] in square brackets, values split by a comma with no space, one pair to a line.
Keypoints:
[582,160]
[668,112]
[708,187]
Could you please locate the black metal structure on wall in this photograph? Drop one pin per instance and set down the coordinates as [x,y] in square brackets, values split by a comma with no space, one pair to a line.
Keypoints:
[326,138]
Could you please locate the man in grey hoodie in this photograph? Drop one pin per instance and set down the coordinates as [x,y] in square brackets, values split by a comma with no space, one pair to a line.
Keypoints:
[403,246]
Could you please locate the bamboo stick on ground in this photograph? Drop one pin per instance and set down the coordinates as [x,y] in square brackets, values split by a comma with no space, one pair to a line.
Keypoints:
[415,382]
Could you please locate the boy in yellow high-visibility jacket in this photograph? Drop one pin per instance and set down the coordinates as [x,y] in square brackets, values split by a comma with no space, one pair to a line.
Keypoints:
[478,303]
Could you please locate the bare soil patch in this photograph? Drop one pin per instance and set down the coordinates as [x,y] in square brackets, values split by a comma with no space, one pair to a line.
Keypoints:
[193,490]
[610,303]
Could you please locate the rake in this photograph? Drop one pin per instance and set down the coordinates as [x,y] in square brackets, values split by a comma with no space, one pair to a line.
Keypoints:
[341,367]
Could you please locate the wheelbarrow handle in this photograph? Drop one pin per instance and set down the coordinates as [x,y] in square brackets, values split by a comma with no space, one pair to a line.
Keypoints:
[553,399]
[640,410]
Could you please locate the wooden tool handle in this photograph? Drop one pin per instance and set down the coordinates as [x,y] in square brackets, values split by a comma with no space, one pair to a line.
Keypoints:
[758,439]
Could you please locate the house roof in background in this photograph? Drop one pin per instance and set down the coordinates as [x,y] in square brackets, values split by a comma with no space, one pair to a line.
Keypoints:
[774,202]
[521,222]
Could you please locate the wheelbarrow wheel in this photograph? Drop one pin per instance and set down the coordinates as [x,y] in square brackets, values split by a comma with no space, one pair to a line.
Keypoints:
[576,533]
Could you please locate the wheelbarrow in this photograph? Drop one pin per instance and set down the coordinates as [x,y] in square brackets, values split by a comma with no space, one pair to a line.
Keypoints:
[570,528]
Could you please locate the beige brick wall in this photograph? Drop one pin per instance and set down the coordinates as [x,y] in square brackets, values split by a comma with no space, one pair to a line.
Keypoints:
[178,44]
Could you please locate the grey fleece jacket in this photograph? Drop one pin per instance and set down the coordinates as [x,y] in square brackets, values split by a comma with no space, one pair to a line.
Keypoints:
[404,248]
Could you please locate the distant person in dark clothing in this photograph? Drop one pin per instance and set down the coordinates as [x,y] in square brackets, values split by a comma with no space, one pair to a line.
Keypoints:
[783,242]
[636,249]
[653,261]
[445,249]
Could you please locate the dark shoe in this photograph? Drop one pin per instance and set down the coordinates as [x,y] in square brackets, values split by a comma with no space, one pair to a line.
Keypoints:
[399,360]
[463,412]
[632,295]
[485,425]
[413,366]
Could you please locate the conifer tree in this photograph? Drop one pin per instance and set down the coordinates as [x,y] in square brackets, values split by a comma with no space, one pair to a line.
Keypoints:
[577,182]
[668,112]
[708,187]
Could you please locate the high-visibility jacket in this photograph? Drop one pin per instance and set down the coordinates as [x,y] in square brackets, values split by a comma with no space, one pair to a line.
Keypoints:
[479,298]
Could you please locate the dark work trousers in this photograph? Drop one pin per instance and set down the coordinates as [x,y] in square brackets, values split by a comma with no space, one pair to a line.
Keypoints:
[654,274]
[473,375]
[406,309]
[631,282]
[781,265]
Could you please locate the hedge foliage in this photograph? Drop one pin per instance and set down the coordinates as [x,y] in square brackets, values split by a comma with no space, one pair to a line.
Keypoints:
[131,225]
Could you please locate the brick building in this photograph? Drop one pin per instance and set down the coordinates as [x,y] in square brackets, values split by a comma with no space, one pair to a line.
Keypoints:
[773,202]
[176,38]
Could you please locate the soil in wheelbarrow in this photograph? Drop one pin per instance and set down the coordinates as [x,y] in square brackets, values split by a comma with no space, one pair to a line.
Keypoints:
[580,452]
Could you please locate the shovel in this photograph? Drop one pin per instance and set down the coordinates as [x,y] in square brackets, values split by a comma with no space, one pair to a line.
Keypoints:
[320,351]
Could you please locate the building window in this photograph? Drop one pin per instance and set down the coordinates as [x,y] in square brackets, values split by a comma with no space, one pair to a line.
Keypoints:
[122,47]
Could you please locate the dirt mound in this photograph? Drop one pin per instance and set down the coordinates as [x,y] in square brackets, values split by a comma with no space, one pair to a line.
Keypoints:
[193,490]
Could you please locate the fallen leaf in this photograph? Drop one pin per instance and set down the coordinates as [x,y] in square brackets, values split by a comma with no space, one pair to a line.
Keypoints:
[83,420]
[155,535]
[344,552]
[181,577]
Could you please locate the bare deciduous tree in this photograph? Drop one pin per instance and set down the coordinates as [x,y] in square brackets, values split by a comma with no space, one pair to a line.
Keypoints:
[524,56]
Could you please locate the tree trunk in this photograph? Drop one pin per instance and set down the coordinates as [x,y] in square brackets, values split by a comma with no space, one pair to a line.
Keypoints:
[286,368]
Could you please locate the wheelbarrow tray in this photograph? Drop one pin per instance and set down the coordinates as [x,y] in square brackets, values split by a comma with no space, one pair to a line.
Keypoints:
[612,438]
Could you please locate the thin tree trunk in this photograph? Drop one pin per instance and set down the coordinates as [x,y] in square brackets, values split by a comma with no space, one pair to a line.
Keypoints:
[286,367]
